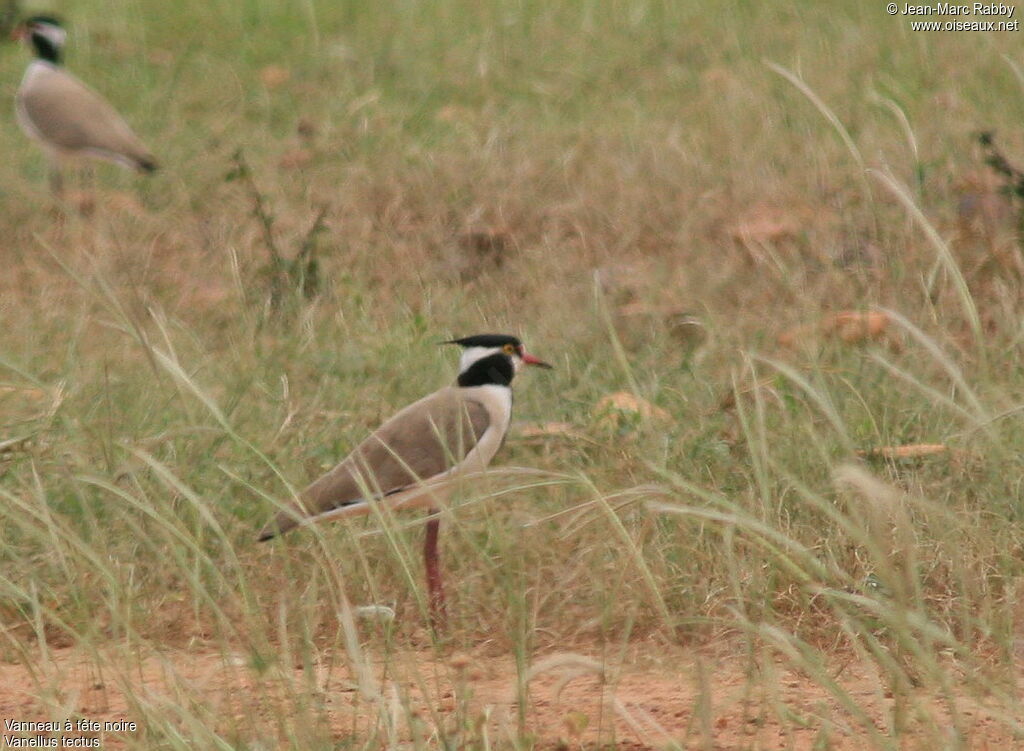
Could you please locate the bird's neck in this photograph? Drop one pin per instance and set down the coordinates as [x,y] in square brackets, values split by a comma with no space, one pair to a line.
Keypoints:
[45,49]
[493,370]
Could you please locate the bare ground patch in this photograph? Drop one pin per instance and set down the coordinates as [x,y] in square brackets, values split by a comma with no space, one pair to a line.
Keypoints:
[687,699]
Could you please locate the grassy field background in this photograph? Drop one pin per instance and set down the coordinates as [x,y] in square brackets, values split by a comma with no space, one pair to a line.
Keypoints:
[661,198]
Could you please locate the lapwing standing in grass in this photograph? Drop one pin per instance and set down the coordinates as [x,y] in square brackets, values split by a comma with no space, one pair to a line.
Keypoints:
[64,115]
[414,458]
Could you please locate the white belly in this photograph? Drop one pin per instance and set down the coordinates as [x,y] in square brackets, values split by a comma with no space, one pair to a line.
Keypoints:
[35,70]
[497,400]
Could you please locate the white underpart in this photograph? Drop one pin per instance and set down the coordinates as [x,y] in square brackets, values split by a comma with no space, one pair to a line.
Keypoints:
[433,492]
[36,69]
[497,400]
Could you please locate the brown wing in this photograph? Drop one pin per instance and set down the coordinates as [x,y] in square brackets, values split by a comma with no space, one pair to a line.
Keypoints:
[422,441]
[72,117]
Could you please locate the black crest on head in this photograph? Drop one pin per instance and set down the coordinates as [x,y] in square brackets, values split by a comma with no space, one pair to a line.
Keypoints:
[486,340]
[45,48]
[43,18]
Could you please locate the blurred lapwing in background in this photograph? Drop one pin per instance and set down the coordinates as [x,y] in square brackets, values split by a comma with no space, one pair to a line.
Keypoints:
[417,456]
[66,117]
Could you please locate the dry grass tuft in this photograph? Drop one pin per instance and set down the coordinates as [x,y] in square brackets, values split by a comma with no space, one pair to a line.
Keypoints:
[649,196]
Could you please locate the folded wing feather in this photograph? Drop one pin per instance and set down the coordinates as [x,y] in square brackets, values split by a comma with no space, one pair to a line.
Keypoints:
[73,118]
[425,440]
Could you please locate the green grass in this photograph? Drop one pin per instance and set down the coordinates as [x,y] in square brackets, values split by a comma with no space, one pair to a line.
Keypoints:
[155,407]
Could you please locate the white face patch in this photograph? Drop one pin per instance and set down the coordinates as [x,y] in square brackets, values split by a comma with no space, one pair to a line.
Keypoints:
[55,35]
[471,354]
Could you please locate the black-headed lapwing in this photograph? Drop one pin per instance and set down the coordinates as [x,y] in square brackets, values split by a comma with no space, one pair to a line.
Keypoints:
[414,457]
[63,114]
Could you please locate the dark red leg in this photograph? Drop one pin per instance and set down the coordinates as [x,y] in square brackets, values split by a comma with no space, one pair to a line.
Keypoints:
[435,589]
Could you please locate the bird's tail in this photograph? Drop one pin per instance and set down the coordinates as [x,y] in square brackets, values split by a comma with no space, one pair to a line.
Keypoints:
[291,518]
[281,523]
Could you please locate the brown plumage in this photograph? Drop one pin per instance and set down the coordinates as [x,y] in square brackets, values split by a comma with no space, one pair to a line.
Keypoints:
[422,443]
[70,119]
[65,116]
[423,453]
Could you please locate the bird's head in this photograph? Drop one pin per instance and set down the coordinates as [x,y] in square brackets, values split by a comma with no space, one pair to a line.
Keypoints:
[45,33]
[492,359]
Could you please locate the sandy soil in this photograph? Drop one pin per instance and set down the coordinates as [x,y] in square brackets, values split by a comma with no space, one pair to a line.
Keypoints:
[694,702]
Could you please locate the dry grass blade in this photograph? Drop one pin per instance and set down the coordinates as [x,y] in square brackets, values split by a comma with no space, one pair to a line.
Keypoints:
[818,396]
[833,120]
[943,252]
[631,189]
[908,451]
[980,414]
